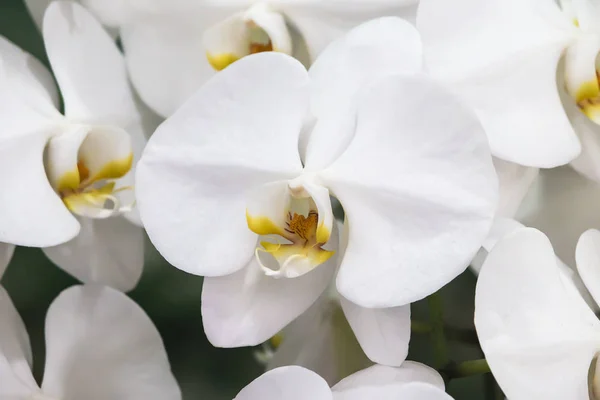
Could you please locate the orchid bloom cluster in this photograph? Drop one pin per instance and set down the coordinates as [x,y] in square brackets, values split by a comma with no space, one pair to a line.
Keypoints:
[323,165]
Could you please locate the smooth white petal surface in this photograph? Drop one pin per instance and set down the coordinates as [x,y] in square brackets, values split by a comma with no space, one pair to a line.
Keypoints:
[420,391]
[588,261]
[289,383]
[88,67]
[515,181]
[248,307]
[419,191]
[502,57]
[166,57]
[321,22]
[106,251]
[16,379]
[381,382]
[383,333]
[234,135]
[374,49]
[32,214]
[111,349]
[537,338]
[6,252]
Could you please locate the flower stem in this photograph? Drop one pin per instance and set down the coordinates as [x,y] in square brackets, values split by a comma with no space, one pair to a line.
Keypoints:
[438,336]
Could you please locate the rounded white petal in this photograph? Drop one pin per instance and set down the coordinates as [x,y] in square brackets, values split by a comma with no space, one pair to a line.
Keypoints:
[88,67]
[537,338]
[501,57]
[588,261]
[383,333]
[381,382]
[322,22]
[166,57]
[32,213]
[376,48]
[111,349]
[248,307]
[106,251]
[289,383]
[234,135]
[6,252]
[420,391]
[419,191]
[515,181]
[16,379]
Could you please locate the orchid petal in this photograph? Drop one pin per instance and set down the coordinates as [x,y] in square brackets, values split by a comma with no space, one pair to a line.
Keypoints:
[588,261]
[6,252]
[410,184]
[383,333]
[372,50]
[94,361]
[289,383]
[190,186]
[515,181]
[109,252]
[501,57]
[537,339]
[15,353]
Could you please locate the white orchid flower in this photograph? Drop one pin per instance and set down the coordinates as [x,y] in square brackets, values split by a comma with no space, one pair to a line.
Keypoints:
[99,345]
[539,336]
[528,68]
[67,179]
[173,47]
[230,189]
[411,381]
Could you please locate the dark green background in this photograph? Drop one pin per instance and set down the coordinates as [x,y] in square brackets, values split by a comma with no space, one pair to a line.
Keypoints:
[172,298]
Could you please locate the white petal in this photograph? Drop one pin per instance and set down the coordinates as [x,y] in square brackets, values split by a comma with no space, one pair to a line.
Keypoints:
[108,251]
[374,49]
[502,57]
[247,308]
[32,214]
[166,57]
[28,97]
[515,181]
[88,67]
[383,333]
[588,261]
[37,8]
[15,353]
[289,383]
[563,205]
[111,349]
[191,187]
[321,340]
[537,339]
[411,185]
[420,391]
[500,228]
[6,252]
[381,382]
[321,22]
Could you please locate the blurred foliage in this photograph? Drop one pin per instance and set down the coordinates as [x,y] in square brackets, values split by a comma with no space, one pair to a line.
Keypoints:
[172,298]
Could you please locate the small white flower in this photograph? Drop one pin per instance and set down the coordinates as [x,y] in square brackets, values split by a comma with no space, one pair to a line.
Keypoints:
[528,68]
[64,177]
[173,47]
[409,382]
[538,334]
[99,345]
[229,188]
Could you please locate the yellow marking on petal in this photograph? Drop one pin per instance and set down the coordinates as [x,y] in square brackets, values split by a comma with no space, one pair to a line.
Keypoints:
[576,22]
[588,90]
[276,340]
[282,252]
[114,169]
[69,180]
[323,233]
[221,61]
[262,225]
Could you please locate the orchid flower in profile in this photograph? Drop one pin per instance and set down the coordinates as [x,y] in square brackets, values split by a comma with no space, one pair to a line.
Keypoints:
[528,68]
[67,180]
[540,338]
[173,47]
[236,186]
[409,382]
[99,345]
